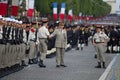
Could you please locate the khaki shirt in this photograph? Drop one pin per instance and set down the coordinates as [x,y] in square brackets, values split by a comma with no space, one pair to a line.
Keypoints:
[61,38]
[100,37]
[43,32]
[31,36]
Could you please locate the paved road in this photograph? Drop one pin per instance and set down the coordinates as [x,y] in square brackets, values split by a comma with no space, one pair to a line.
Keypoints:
[80,67]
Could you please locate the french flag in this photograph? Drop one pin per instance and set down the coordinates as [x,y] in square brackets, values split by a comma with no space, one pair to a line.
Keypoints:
[55,16]
[30,8]
[15,4]
[3,7]
[62,13]
[70,14]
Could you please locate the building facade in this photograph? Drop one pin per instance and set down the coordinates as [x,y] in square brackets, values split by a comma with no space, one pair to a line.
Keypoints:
[113,5]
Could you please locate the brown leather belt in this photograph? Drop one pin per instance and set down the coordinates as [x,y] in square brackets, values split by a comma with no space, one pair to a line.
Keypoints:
[99,42]
[42,38]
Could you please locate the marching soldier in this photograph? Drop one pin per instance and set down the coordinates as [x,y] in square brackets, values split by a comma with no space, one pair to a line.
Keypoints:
[87,34]
[114,39]
[81,38]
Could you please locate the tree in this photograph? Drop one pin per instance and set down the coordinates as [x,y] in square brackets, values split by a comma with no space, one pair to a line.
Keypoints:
[87,7]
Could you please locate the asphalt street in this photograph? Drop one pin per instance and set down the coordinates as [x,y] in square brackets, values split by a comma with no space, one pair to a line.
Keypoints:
[80,66]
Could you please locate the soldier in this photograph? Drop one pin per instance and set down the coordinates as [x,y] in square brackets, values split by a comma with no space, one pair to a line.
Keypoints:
[100,40]
[114,39]
[69,36]
[23,41]
[43,35]
[81,38]
[12,40]
[2,46]
[87,35]
[60,44]
[4,42]
[31,42]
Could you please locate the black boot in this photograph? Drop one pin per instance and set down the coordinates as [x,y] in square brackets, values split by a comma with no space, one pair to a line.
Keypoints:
[104,65]
[99,65]
[41,64]
[23,63]
[77,48]
[81,48]
[30,61]
[95,56]
[35,61]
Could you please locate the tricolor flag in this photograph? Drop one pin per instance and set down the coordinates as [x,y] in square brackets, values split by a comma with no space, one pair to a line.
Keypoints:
[70,14]
[15,4]
[30,8]
[55,16]
[3,7]
[62,13]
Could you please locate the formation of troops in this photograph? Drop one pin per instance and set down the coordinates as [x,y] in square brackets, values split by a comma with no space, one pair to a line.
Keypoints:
[18,39]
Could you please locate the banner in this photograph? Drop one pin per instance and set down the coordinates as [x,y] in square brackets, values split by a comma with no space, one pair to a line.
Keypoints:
[62,13]
[30,8]
[55,16]
[118,6]
[14,11]
[3,7]
[70,14]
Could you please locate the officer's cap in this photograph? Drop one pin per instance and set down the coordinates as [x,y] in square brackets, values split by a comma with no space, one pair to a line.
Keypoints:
[44,20]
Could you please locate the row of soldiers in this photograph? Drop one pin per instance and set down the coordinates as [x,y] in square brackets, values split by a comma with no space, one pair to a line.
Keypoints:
[12,42]
[78,36]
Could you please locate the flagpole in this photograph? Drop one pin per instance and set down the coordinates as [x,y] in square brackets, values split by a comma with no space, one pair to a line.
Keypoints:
[9,8]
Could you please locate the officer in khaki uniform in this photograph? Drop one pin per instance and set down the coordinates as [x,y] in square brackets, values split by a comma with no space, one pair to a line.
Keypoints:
[42,35]
[100,40]
[60,44]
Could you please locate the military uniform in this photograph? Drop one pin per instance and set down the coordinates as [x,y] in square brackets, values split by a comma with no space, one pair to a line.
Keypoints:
[42,35]
[60,44]
[31,42]
[99,40]
[2,47]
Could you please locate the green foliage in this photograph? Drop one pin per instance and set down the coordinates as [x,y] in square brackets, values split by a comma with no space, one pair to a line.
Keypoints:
[96,8]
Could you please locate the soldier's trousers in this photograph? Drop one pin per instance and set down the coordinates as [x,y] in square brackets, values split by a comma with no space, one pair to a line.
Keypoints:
[6,55]
[2,52]
[17,54]
[60,56]
[13,54]
[100,48]
[43,49]
[23,49]
[32,50]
